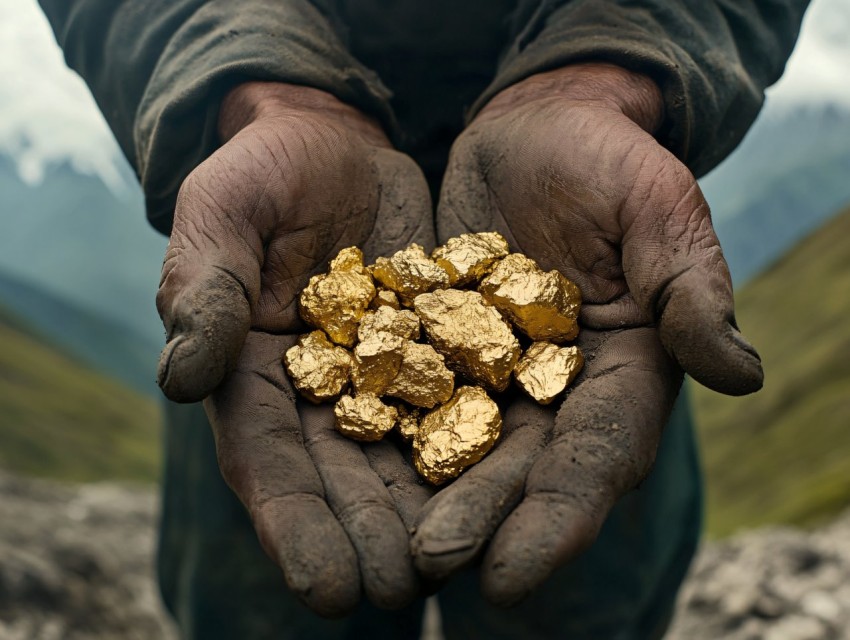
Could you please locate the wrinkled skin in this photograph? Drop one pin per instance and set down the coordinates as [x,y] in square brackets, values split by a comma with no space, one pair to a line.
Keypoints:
[299,176]
[565,165]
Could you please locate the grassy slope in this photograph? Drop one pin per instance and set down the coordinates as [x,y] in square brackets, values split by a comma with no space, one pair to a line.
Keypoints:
[60,419]
[781,455]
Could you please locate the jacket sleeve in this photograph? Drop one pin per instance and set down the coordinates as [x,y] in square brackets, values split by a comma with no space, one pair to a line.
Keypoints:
[159,68]
[713,59]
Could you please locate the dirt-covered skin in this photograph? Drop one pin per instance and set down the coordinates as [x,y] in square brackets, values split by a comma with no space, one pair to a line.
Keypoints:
[565,165]
[300,176]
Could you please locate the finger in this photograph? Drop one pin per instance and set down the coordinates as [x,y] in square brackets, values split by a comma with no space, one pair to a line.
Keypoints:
[604,442]
[460,519]
[210,279]
[363,505]
[404,211]
[407,490]
[262,458]
[677,274]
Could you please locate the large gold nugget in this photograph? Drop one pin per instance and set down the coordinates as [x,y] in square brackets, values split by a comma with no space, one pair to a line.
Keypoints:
[475,339]
[456,435]
[410,272]
[543,305]
[335,301]
[404,324]
[377,360]
[546,369]
[318,368]
[470,256]
[408,422]
[423,379]
[364,417]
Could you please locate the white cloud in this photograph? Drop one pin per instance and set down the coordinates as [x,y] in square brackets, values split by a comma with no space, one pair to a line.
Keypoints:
[46,111]
[819,69]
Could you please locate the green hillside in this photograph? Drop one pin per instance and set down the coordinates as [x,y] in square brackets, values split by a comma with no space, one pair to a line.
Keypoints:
[783,454]
[61,419]
[116,350]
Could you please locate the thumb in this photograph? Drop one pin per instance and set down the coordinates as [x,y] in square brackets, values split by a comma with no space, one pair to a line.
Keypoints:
[210,280]
[676,272]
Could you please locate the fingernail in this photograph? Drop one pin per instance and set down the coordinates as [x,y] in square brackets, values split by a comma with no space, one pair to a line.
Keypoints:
[164,368]
[438,559]
[444,547]
[742,343]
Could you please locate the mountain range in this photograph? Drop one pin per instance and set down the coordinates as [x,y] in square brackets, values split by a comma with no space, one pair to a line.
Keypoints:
[790,174]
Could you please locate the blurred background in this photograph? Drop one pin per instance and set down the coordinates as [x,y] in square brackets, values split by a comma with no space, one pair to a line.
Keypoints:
[79,338]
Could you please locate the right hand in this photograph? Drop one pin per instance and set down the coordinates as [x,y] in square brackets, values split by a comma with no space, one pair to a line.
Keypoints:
[566,165]
[300,176]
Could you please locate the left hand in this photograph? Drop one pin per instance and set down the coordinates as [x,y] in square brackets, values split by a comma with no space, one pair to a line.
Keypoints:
[565,165]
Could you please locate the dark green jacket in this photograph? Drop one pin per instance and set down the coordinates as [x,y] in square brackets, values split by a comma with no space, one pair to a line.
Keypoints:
[158,68]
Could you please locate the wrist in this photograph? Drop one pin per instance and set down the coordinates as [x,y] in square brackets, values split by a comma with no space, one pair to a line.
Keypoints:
[253,101]
[634,94]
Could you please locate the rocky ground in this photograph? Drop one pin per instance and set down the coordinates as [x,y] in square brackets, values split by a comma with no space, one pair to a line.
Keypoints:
[76,564]
[770,584]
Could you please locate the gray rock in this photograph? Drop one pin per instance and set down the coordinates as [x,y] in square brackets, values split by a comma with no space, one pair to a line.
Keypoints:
[775,583]
[76,563]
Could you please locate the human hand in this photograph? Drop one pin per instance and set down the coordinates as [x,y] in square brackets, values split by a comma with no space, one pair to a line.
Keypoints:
[300,176]
[565,165]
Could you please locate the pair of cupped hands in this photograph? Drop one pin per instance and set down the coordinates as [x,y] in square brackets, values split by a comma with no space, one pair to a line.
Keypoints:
[565,165]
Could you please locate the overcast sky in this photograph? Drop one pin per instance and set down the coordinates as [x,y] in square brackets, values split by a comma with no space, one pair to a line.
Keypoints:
[44,103]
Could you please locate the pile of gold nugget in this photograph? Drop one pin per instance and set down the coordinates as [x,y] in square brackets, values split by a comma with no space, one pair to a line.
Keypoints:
[424,340]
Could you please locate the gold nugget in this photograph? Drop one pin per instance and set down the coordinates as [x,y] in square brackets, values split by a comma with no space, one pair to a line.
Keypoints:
[471,334]
[543,305]
[410,272]
[404,324]
[385,298]
[364,417]
[423,378]
[470,256]
[318,368]
[377,359]
[546,369]
[335,301]
[408,422]
[456,435]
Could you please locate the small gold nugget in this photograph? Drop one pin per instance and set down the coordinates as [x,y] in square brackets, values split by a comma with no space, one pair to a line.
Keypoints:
[379,353]
[404,324]
[385,298]
[546,369]
[410,272]
[335,301]
[423,378]
[377,360]
[456,435]
[364,417]
[408,422]
[318,368]
[471,334]
[470,256]
[543,305]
